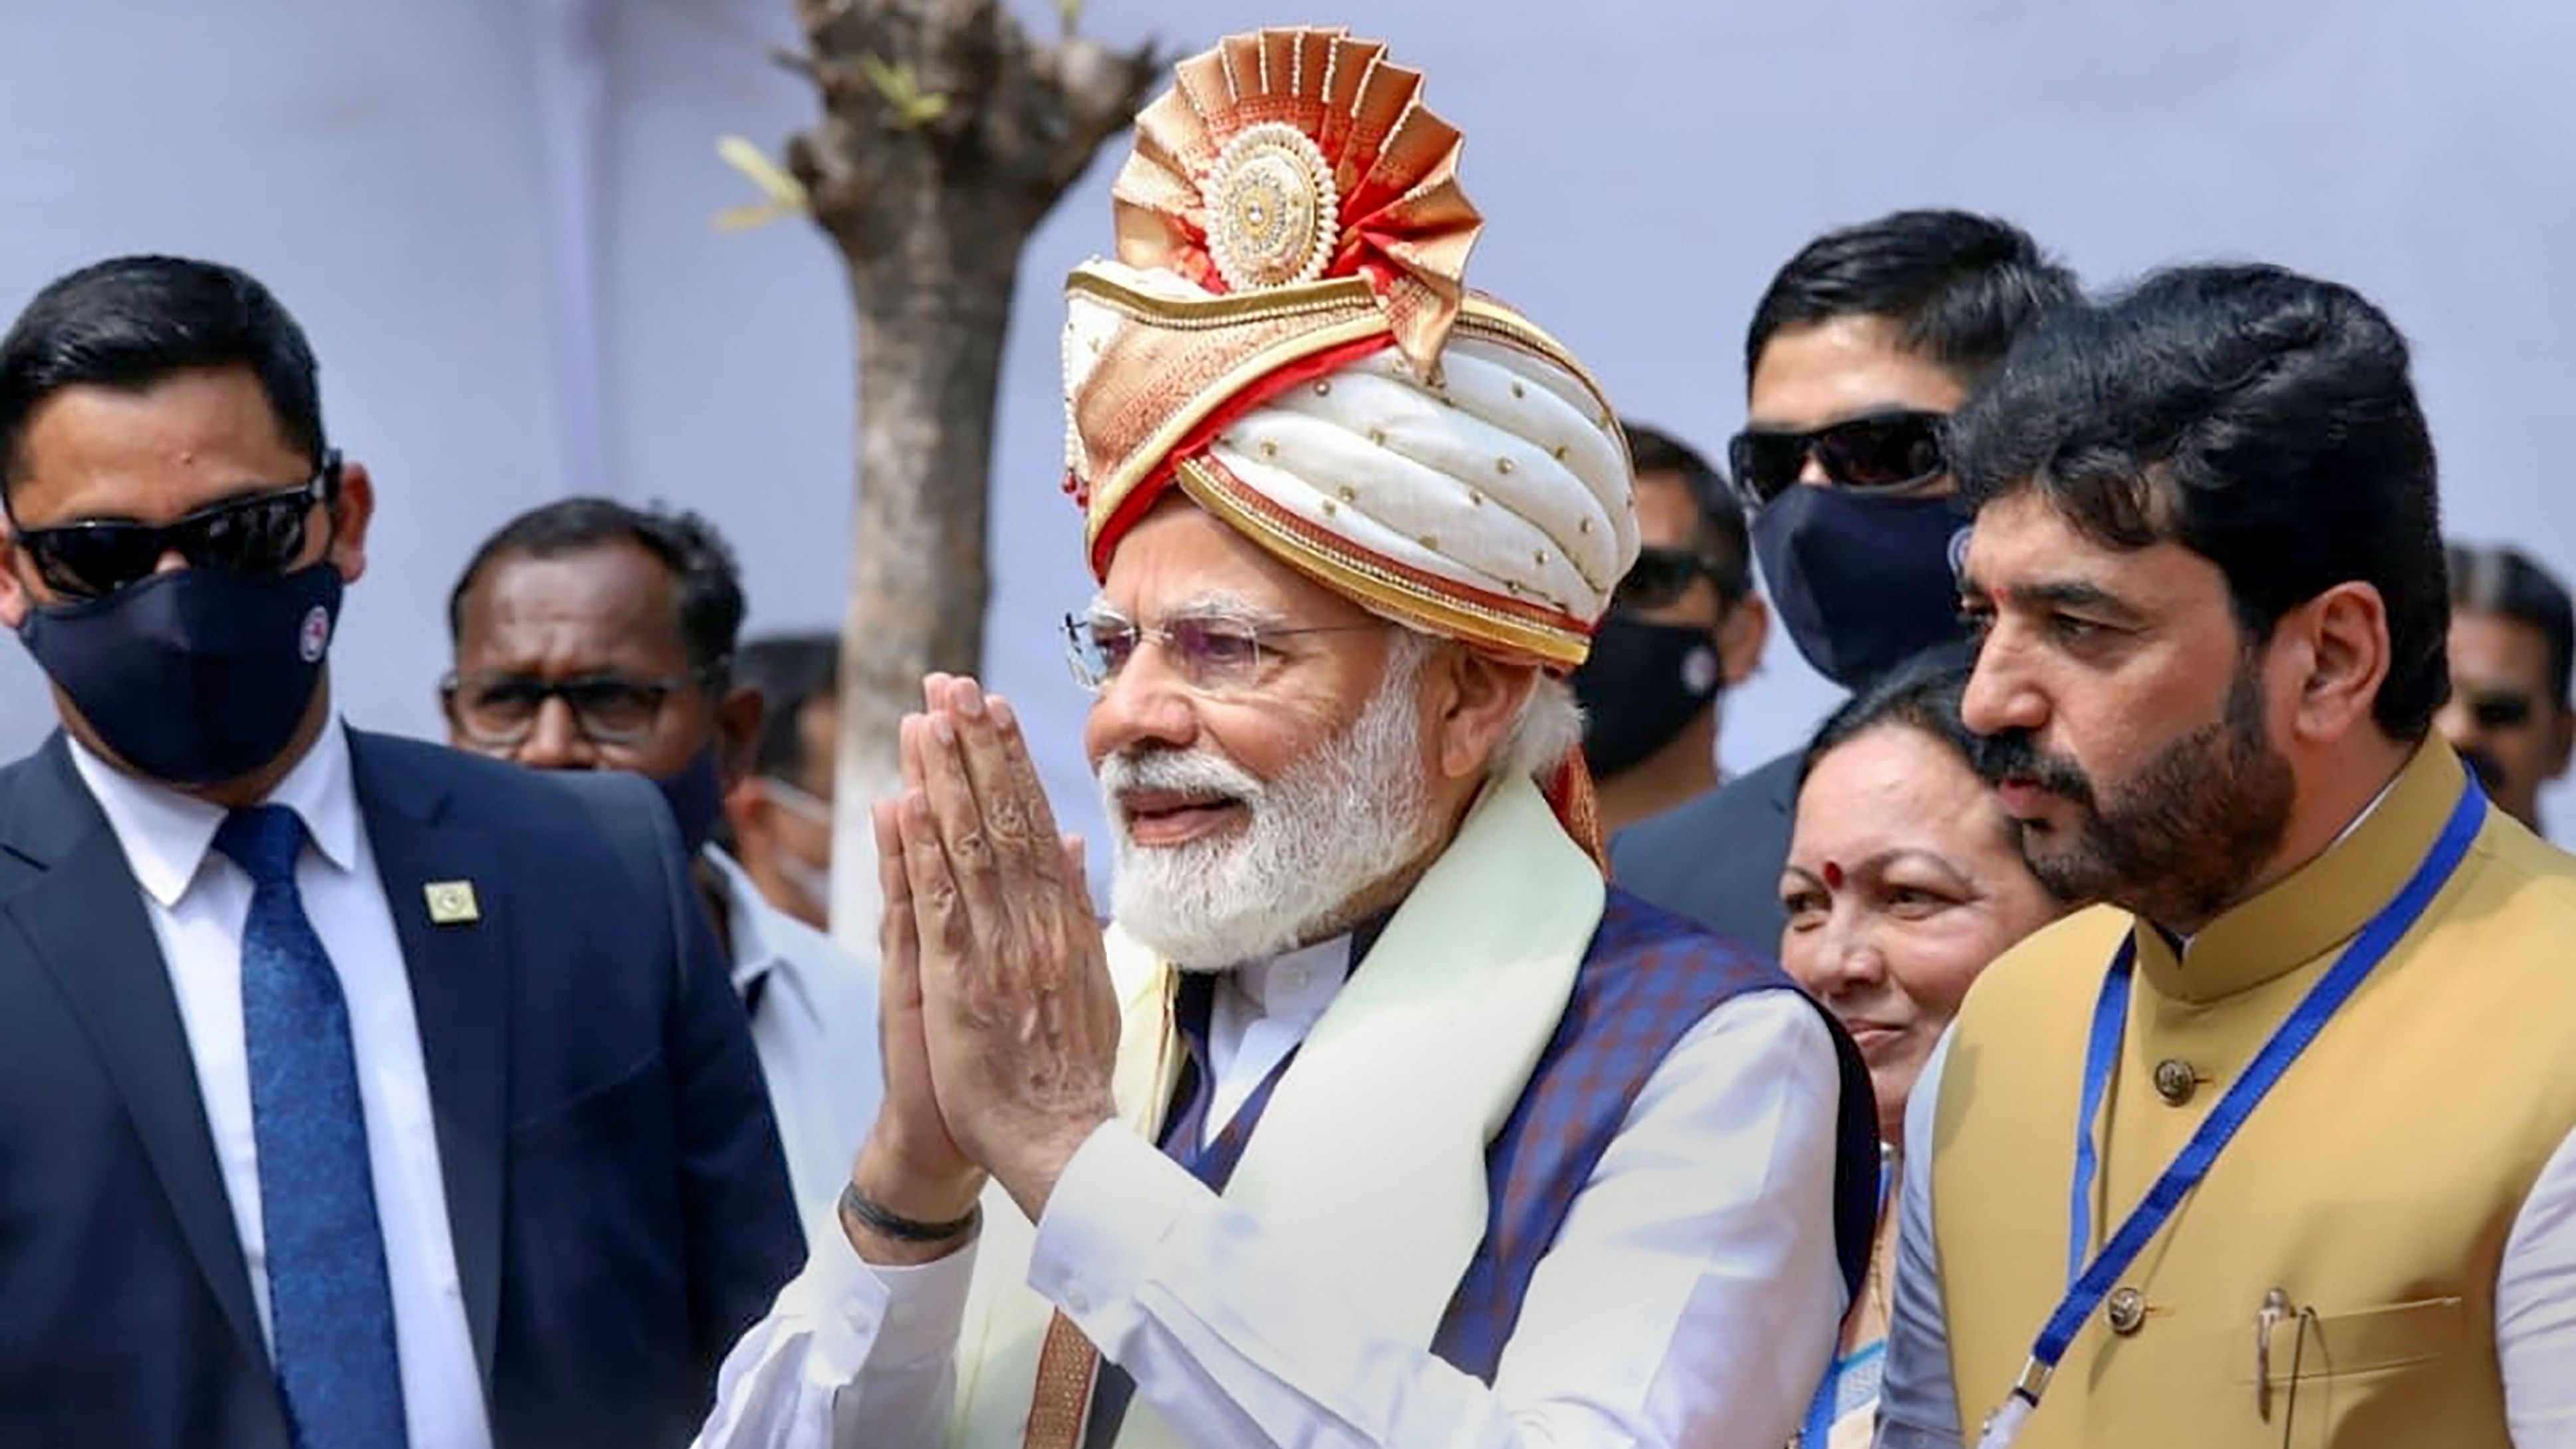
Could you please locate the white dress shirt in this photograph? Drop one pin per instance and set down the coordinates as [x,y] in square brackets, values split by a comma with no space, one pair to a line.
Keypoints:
[2535,1304]
[816,1035]
[199,904]
[1258,1016]
[1692,1296]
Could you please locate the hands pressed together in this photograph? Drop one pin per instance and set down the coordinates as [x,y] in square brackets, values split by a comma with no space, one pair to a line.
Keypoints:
[1000,1026]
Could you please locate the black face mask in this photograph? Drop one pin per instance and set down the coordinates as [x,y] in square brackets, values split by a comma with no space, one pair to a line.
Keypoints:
[1861,583]
[1641,686]
[696,798]
[196,676]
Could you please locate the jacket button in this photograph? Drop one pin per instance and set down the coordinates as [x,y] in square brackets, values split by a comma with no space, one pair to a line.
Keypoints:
[2127,1311]
[2176,1081]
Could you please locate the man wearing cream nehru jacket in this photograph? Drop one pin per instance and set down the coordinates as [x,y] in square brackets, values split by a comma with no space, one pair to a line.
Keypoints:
[2277,1145]
[1376,1118]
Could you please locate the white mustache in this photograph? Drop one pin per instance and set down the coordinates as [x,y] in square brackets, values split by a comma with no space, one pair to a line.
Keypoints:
[1194,771]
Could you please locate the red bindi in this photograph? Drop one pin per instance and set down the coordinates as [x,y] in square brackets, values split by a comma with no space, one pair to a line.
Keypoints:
[1833,875]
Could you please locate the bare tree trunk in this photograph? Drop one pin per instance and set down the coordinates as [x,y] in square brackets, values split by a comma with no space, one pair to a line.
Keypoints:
[947,135]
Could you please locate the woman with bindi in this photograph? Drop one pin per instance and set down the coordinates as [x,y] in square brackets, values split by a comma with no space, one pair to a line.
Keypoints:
[1904,879]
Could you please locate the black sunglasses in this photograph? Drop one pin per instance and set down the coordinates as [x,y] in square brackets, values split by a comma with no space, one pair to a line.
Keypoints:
[259,534]
[2500,709]
[1881,452]
[1660,576]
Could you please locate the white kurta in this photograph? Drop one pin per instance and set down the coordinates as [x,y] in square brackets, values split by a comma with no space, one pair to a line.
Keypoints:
[1692,1296]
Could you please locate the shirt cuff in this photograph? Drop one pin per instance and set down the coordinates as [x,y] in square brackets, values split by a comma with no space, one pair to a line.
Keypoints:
[1113,1207]
[904,1315]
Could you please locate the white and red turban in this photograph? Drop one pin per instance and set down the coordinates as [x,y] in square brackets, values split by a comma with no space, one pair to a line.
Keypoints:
[1286,337]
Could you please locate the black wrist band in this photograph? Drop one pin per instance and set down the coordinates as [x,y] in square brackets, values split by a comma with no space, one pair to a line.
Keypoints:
[877,1218]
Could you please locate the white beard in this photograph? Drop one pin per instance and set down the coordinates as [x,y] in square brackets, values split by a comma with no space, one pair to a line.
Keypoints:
[1346,818]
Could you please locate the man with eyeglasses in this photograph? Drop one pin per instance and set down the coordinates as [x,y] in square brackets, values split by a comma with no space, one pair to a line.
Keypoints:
[1375,1118]
[2512,637]
[781,813]
[594,636]
[1860,348]
[1684,627]
[352,1091]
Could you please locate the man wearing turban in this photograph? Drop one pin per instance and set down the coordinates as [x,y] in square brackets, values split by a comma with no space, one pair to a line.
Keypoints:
[1375,1118]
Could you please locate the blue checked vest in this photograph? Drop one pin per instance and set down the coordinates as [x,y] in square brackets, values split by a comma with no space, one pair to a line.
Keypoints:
[1646,980]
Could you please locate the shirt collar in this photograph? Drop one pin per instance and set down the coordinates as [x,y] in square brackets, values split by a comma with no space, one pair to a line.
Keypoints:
[1296,986]
[2323,902]
[166,833]
[747,917]
[2180,942]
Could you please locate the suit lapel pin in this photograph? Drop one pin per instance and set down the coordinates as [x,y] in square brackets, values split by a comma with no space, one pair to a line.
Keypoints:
[451,903]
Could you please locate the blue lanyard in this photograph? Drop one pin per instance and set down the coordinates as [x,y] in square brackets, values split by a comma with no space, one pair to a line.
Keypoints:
[1820,1409]
[2089,1282]
[1820,1412]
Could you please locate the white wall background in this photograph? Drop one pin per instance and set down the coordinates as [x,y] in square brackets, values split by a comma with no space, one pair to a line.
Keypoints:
[411,178]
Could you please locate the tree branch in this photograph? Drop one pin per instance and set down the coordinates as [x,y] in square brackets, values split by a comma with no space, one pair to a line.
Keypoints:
[1091,94]
[796,62]
[940,93]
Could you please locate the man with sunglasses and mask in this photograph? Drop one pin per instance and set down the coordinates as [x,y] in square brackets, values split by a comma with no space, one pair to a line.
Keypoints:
[2512,637]
[1684,627]
[594,636]
[352,1091]
[1861,347]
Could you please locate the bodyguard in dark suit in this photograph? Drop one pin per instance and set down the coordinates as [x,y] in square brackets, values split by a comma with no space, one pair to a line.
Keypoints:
[352,1092]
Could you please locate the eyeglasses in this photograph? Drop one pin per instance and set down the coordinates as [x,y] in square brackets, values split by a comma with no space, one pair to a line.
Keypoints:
[500,710]
[1882,452]
[1660,576]
[2501,709]
[259,534]
[1213,653]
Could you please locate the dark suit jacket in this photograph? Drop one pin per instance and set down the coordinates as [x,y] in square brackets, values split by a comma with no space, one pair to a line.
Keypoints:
[1716,859]
[614,1183]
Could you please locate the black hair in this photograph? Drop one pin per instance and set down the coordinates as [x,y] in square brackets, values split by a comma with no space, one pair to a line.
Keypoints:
[2501,580]
[2263,420]
[1922,692]
[791,671]
[1721,518]
[133,322]
[1959,286]
[709,582]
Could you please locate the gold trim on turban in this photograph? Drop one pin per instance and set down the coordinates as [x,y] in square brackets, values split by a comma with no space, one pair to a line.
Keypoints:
[1194,197]
[1287,338]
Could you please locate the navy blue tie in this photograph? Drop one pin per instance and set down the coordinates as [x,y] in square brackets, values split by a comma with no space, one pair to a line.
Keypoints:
[330,1304]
